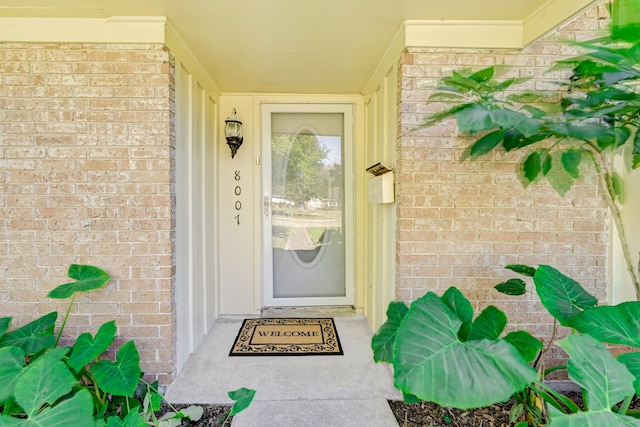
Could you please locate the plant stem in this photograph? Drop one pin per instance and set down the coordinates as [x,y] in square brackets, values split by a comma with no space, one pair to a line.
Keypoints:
[553,369]
[625,405]
[66,317]
[553,397]
[155,390]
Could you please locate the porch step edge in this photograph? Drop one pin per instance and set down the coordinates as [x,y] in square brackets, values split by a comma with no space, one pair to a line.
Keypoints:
[317,413]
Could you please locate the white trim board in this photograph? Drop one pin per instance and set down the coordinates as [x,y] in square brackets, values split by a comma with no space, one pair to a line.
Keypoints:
[116,29]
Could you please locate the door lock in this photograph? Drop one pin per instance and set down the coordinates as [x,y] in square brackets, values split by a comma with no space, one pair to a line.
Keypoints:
[266,205]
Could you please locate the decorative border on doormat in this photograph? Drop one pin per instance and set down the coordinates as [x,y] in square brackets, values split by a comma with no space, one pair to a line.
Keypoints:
[287,337]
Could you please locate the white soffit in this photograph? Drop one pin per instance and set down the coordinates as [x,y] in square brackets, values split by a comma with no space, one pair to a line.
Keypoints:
[115,29]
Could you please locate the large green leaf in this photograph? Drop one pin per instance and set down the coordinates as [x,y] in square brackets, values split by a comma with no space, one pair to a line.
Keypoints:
[618,324]
[33,337]
[487,143]
[586,131]
[526,344]
[590,419]
[431,363]
[242,399]
[509,119]
[635,152]
[483,75]
[86,349]
[592,366]
[88,278]
[460,82]
[121,377]
[623,134]
[512,139]
[11,364]
[632,362]
[474,119]
[76,411]
[512,287]
[382,341]
[562,296]
[43,382]
[4,325]
[132,419]
[462,308]
[625,20]
[525,270]
[571,160]
[488,325]
[557,175]
[449,112]
[532,166]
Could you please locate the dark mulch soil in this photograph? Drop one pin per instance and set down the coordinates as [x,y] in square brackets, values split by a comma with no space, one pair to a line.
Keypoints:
[412,415]
[213,416]
[429,414]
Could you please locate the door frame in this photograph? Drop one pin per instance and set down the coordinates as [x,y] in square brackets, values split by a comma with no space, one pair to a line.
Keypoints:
[348,110]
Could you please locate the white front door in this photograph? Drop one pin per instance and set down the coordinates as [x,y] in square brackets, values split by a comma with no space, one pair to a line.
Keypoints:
[307,204]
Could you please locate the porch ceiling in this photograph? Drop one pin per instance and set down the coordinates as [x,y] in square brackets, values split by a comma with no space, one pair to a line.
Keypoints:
[295,46]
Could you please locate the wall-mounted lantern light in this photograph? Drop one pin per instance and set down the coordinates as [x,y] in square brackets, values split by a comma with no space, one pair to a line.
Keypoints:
[233,133]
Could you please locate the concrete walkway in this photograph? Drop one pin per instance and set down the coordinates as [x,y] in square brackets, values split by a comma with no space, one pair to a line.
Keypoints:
[292,391]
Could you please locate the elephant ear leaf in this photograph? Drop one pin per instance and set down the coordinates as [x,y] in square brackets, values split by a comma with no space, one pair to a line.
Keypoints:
[526,344]
[33,337]
[606,381]
[242,399]
[488,325]
[382,341]
[431,363]
[77,412]
[122,376]
[616,324]
[592,366]
[525,270]
[632,362]
[88,278]
[43,382]
[462,308]
[562,296]
[4,325]
[512,287]
[590,419]
[11,364]
[87,348]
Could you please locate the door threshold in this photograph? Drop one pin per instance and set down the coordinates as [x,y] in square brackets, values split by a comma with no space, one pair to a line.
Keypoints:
[324,311]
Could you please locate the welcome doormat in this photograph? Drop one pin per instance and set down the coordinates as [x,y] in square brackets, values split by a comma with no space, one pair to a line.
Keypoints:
[287,337]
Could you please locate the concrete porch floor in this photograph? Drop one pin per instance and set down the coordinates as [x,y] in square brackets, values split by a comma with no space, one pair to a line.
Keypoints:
[293,391]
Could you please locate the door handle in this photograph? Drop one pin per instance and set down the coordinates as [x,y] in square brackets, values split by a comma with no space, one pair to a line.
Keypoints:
[266,205]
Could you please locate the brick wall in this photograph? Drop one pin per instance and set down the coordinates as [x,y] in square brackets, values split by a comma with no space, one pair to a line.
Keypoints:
[86,161]
[460,223]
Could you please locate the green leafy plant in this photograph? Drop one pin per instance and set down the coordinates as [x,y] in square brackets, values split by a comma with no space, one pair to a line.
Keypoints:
[242,399]
[441,354]
[564,133]
[45,384]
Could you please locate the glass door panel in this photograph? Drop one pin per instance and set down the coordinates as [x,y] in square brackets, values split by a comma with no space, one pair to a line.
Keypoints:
[306,196]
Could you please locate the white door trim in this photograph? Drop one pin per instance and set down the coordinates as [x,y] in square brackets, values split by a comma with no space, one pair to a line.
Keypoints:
[349,206]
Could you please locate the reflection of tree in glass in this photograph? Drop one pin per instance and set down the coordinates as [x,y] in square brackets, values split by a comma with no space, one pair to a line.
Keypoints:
[299,173]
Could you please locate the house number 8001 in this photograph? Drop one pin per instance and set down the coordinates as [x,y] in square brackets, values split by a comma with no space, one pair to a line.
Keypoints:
[237,191]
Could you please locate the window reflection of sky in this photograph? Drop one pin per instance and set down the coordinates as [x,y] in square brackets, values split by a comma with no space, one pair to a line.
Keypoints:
[334,145]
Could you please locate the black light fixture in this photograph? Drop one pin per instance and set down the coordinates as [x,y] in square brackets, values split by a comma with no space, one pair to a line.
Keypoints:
[233,133]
